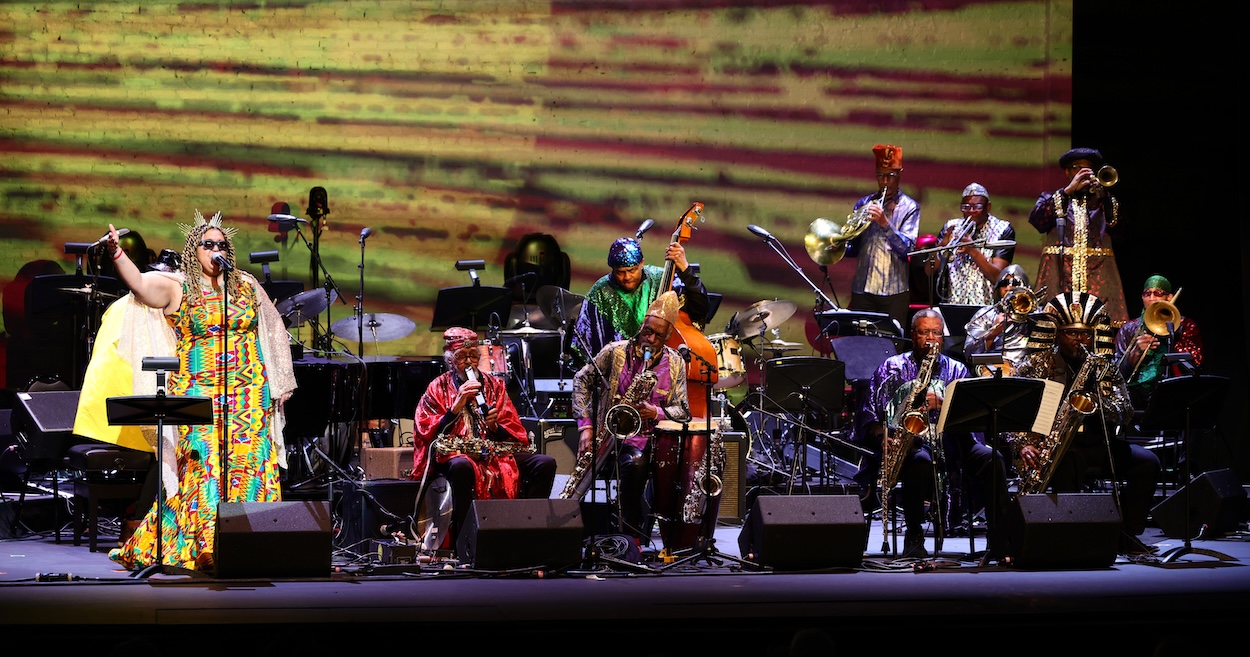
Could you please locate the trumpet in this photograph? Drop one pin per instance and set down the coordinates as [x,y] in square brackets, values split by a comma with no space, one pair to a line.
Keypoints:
[1106,176]
[1156,319]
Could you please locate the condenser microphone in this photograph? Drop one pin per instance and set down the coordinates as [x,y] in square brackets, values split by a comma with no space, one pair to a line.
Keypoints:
[768,237]
[364,234]
[222,262]
[646,226]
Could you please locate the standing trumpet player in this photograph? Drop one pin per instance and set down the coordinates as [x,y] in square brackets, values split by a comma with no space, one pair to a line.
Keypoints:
[609,380]
[1139,350]
[1076,220]
[971,266]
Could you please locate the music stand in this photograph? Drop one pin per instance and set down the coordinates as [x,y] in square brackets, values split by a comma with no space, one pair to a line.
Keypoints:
[1177,403]
[469,306]
[991,405]
[957,316]
[143,410]
[808,386]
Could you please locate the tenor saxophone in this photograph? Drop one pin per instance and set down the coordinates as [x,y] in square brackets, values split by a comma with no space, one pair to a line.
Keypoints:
[910,420]
[1080,402]
[621,422]
[708,480]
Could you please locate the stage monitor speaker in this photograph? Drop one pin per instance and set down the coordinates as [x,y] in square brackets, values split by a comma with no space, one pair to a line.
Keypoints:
[508,534]
[805,532]
[43,425]
[1216,501]
[555,438]
[1065,530]
[368,508]
[273,539]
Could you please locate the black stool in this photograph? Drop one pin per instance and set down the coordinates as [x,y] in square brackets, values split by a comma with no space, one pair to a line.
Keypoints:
[102,472]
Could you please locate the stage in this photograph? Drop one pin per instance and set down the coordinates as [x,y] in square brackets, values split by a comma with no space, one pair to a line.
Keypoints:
[949,602]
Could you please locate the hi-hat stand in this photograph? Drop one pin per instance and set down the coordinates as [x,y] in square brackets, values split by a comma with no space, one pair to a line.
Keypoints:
[142,410]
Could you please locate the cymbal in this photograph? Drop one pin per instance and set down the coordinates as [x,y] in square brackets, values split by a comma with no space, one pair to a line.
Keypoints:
[779,345]
[86,290]
[378,327]
[305,306]
[560,305]
[528,331]
[763,315]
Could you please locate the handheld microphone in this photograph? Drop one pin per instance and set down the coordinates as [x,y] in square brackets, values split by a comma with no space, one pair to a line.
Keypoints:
[684,350]
[760,232]
[364,234]
[646,226]
[102,240]
[482,406]
[222,262]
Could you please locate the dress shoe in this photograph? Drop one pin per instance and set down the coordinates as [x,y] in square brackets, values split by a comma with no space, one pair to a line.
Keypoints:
[913,546]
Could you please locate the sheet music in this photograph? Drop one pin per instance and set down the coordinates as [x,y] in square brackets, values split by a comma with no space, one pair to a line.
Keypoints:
[1052,396]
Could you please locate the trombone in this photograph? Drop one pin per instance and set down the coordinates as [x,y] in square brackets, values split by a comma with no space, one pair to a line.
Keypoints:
[1155,319]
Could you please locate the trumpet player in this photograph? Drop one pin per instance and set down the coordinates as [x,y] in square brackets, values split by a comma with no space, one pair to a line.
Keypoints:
[882,281]
[1076,221]
[968,270]
[611,376]
[466,429]
[1139,350]
[999,326]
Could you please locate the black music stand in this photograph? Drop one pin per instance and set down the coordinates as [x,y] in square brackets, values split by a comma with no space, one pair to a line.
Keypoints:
[810,387]
[991,405]
[143,410]
[1178,404]
[469,306]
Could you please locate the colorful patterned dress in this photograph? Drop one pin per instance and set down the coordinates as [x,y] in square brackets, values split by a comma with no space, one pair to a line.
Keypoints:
[239,388]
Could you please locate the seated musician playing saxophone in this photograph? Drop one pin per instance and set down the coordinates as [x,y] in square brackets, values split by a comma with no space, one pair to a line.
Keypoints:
[467,430]
[893,394]
[1074,344]
[627,375]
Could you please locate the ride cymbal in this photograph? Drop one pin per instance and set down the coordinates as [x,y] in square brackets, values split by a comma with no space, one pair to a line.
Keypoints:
[764,315]
[378,327]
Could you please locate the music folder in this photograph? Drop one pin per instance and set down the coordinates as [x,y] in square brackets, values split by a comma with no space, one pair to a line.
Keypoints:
[1023,404]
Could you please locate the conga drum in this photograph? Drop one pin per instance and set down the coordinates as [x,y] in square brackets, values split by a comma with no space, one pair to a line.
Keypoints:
[682,512]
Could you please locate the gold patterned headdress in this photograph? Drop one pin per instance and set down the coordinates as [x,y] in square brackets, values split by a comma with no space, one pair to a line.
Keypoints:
[665,307]
[215,222]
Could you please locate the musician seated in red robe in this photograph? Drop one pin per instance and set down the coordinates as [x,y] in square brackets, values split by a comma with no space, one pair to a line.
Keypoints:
[467,429]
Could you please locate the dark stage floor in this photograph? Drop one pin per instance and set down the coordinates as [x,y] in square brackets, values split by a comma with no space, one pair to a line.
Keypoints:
[947,603]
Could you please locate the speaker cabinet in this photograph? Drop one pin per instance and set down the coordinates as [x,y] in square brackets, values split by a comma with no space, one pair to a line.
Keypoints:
[365,509]
[555,438]
[733,495]
[507,534]
[43,425]
[386,462]
[805,532]
[1065,530]
[1216,500]
[273,539]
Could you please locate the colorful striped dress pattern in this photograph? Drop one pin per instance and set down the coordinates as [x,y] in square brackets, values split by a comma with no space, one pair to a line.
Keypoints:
[228,369]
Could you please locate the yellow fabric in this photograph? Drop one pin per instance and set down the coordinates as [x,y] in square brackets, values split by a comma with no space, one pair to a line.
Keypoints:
[108,375]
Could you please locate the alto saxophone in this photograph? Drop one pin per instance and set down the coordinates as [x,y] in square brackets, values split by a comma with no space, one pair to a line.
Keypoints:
[1080,402]
[911,419]
[621,422]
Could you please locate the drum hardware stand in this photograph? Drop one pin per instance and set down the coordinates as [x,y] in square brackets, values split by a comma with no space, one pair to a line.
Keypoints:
[322,337]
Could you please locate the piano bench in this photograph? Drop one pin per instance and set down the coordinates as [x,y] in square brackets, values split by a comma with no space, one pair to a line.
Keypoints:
[102,472]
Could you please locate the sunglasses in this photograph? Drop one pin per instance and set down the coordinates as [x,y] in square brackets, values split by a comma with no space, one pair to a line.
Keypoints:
[968,207]
[210,245]
[1077,334]
[1011,281]
[891,175]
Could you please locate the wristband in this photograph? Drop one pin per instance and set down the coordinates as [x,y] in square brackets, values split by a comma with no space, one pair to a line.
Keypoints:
[117,255]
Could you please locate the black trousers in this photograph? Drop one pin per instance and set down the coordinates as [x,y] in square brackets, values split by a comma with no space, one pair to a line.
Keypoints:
[538,474]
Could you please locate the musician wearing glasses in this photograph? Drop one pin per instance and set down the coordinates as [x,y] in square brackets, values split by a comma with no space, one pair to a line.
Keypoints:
[1074,343]
[1076,221]
[967,273]
[914,381]
[243,365]
[1002,326]
[1140,351]
[467,430]
[882,281]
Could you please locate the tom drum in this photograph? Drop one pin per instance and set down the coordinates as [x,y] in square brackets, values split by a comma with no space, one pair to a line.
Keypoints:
[729,365]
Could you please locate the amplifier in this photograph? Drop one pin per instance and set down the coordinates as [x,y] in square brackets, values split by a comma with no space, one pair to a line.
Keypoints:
[386,462]
[733,478]
[555,438]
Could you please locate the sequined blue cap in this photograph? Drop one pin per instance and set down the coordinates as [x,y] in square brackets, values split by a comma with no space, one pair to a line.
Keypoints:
[625,252]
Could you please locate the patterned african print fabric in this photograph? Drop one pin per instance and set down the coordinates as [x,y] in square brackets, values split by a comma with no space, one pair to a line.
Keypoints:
[227,368]
[962,282]
[1078,256]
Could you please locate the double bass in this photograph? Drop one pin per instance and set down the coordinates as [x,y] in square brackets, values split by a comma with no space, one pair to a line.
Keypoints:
[685,331]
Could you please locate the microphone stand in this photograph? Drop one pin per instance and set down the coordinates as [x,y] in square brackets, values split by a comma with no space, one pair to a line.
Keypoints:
[321,338]
[781,251]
